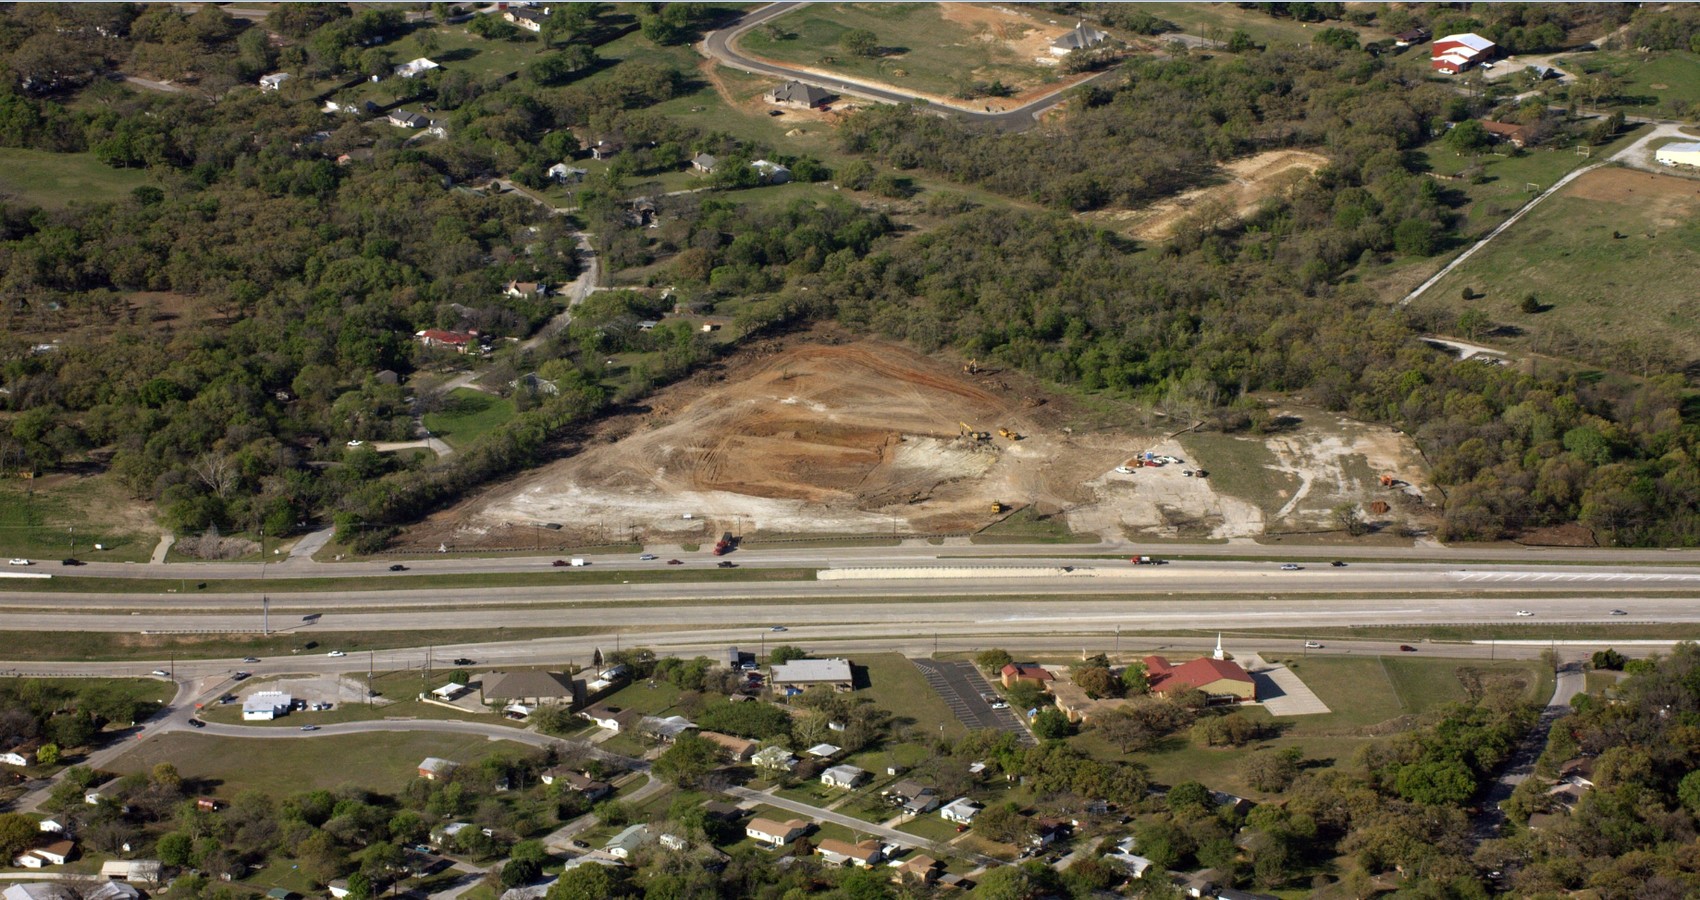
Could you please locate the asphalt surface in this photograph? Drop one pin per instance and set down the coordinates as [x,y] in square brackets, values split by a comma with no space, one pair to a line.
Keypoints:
[962,688]
[721,46]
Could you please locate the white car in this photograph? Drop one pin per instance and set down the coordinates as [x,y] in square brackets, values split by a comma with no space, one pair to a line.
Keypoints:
[356,443]
[1291,567]
[647,557]
[1524,612]
[1313,645]
[161,673]
[336,653]
[19,561]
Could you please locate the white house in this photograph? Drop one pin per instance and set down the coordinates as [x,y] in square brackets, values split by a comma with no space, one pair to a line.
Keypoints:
[52,826]
[1686,153]
[561,173]
[961,811]
[416,67]
[842,776]
[771,172]
[777,834]
[624,844]
[21,755]
[1082,37]
[274,81]
[263,706]
[774,758]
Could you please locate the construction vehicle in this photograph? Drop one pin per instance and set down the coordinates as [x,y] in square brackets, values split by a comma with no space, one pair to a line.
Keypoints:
[998,508]
[1009,434]
[725,545]
[972,367]
[970,433]
[1386,480]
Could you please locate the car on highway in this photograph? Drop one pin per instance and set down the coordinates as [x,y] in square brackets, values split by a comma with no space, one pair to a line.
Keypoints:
[647,557]
[1290,567]
[1338,564]
[398,567]
[250,659]
[336,653]
[560,563]
[727,564]
[70,561]
[1313,645]
[1619,612]
[160,673]
[463,661]
[18,561]
[1407,648]
[779,628]
[675,562]
[309,728]
[197,723]
[1523,613]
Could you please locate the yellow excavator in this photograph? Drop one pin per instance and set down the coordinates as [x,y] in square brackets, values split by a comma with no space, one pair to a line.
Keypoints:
[997,507]
[969,432]
[972,367]
[1009,434]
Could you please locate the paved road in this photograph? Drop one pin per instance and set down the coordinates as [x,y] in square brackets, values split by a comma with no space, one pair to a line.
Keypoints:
[721,45]
[560,840]
[1570,682]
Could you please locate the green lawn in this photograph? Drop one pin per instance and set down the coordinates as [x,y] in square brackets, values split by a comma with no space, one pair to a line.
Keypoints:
[1242,467]
[401,687]
[468,415]
[383,762]
[1635,287]
[929,827]
[895,685]
[1025,526]
[43,523]
[56,180]
[922,48]
[1665,83]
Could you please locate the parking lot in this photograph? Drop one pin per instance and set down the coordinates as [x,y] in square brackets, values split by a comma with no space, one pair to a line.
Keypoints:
[961,685]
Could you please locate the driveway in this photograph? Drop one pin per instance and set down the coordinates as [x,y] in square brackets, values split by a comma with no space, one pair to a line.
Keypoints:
[1281,691]
[889,835]
[961,686]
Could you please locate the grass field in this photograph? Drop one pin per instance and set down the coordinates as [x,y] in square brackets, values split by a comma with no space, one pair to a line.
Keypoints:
[1244,468]
[56,180]
[1654,84]
[42,524]
[1360,692]
[111,645]
[897,686]
[468,415]
[1218,20]
[923,48]
[284,767]
[1025,526]
[1633,287]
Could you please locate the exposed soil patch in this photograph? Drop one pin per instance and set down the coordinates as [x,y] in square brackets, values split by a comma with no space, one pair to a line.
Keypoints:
[1249,181]
[1669,200]
[827,437]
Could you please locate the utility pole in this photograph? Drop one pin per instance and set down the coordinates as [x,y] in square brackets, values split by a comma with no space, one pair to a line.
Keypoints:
[265,616]
[371,661]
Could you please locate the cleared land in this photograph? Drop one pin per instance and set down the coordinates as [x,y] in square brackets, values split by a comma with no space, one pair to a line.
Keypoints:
[56,180]
[865,438]
[932,49]
[1243,184]
[468,415]
[1634,286]
[383,762]
[43,518]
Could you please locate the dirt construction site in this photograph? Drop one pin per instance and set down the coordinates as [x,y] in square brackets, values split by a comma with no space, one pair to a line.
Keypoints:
[866,438]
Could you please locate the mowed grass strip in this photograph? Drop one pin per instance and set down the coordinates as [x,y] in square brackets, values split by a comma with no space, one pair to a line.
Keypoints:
[552,577]
[46,524]
[94,646]
[56,180]
[282,767]
[468,415]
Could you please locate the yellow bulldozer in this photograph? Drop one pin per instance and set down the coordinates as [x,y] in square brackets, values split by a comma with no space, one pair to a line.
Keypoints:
[1009,434]
[969,432]
[998,508]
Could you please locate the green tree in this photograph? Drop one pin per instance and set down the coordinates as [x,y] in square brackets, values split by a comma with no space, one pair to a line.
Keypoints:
[590,883]
[993,660]
[1435,783]
[175,849]
[1468,136]
[1337,38]
[1688,791]
[860,42]
[786,653]
[691,757]
[18,833]
[1135,681]
[1097,681]
[1473,322]
[359,886]
[1531,304]
[1051,724]
[47,754]
[1416,237]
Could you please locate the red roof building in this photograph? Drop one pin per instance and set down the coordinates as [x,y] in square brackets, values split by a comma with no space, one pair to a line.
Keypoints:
[1215,677]
[453,340]
[1033,672]
[1456,52]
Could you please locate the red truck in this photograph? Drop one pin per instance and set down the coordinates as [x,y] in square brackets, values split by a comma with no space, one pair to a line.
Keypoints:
[725,544]
[1145,561]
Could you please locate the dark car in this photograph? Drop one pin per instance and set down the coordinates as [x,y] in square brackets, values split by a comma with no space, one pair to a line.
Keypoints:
[559,562]
[239,676]
[70,561]
[1407,648]
[398,567]
[1338,564]
[727,564]
[197,723]
[463,661]
[579,845]
[675,562]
